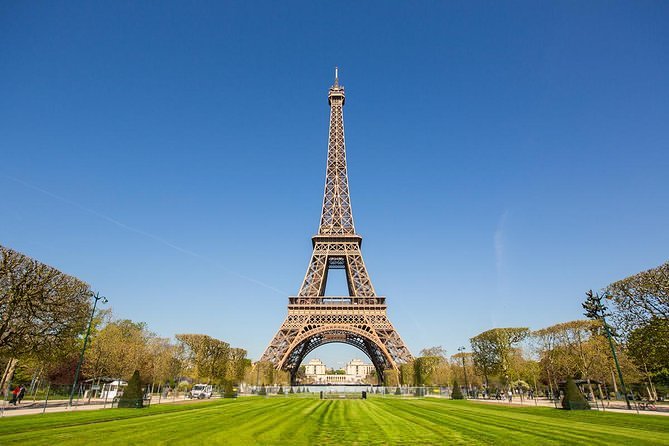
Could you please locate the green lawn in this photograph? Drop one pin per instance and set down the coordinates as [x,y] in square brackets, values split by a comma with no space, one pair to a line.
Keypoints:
[302,421]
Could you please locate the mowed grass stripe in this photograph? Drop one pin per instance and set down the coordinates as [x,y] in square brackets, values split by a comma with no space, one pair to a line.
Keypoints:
[575,427]
[298,421]
[585,427]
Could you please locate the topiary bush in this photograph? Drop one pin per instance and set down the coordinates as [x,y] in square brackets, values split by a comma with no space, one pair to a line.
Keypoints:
[280,392]
[573,398]
[229,391]
[398,391]
[132,395]
[456,394]
[291,390]
[262,391]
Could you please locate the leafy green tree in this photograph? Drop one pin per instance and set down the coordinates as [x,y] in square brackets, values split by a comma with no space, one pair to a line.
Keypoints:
[424,369]
[118,349]
[406,374]
[207,358]
[640,298]
[648,346]
[42,311]
[493,350]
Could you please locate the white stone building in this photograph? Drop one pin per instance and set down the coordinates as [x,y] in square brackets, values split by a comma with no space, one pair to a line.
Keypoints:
[314,368]
[359,369]
[355,372]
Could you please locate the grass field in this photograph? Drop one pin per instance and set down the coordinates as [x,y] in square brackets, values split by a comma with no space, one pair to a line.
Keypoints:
[302,421]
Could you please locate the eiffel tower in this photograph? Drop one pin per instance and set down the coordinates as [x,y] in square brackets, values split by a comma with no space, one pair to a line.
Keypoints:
[359,319]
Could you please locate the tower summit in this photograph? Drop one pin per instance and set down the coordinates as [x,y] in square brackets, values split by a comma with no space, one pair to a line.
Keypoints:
[314,319]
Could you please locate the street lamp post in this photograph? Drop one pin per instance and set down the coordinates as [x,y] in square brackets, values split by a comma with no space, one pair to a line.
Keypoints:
[97,297]
[594,308]
[462,351]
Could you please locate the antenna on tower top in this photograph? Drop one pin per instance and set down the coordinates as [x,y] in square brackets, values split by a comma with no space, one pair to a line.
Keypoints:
[336,82]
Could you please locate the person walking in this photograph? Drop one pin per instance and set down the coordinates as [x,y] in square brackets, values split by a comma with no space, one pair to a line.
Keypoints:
[22,393]
[15,395]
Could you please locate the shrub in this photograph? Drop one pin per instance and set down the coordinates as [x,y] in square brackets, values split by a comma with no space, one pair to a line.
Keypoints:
[229,391]
[457,393]
[573,398]
[132,395]
[398,391]
[291,390]
[280,392]
[262,391]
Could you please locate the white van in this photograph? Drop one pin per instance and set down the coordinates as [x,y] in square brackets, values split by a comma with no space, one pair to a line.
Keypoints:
[201,391]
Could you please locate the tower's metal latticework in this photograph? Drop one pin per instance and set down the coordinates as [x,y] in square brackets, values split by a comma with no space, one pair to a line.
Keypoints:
[359,319]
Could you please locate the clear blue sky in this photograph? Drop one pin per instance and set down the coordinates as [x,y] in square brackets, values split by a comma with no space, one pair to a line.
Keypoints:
[503,157]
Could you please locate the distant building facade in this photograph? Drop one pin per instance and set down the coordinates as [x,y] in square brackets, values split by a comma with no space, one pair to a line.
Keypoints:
[359,369]
[355,372]
[314,368]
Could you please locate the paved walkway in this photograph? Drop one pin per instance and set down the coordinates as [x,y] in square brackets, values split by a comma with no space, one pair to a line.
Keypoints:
[30,407]
[617,407]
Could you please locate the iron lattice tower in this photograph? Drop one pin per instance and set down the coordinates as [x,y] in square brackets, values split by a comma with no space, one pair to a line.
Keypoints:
[359,319]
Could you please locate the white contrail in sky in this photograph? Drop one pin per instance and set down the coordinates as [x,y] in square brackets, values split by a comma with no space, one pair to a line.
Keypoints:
[144,233]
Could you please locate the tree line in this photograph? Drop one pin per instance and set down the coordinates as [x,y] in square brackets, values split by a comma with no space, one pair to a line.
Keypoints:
[543,359]
[44,314]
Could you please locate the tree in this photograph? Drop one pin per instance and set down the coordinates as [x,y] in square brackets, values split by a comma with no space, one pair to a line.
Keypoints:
[406,374]
[484,353]
[239,364]
[437,351]
[118,349]
[207,358]
[648,346]
[641,297]
[459,371]
[424,368]
[493,350]
[42,310]
[582,349]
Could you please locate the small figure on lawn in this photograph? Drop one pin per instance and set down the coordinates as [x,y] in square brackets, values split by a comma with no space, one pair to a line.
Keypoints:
[22,393]
[15,395]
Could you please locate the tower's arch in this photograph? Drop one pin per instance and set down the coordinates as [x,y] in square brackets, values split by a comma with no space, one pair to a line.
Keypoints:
[362,338]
